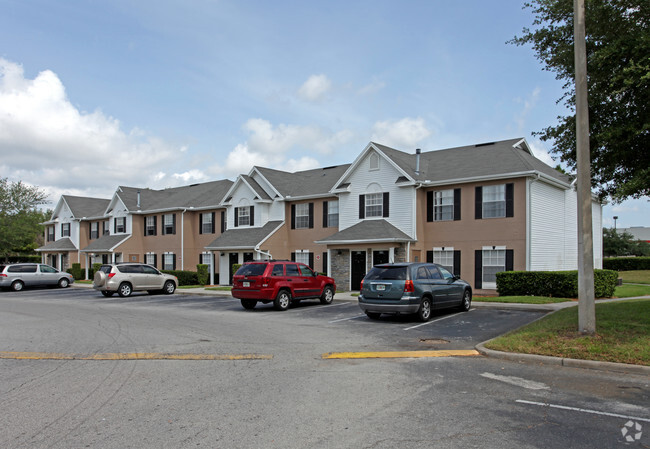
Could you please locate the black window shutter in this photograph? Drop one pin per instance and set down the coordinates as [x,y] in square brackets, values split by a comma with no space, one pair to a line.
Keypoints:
[362,206]
[311,215]
[293,257]
[200,223]
[223,221]
[430,205]
[325,263]
[429,256]
[386,204]
[213,217]
[457,262]
[155,226]
[478,268]
[115,224]
[325,214]
[252,215]
[174,224]
[155,260]
[144,219]
[163,231]
[510,259]
[173,261]
[456,205]
[90,230]
[293,216]
[236,216]
[311,261]
[479,204]
[510,200]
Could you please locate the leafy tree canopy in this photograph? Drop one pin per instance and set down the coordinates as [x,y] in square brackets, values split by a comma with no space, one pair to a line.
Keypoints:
[19,218]
[623,244]
[618,69]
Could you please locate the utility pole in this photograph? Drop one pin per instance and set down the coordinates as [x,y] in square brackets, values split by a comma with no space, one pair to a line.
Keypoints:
[586,302]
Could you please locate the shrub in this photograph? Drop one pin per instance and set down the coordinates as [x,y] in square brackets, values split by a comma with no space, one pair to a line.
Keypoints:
[556,284]
[235,267]
[627,263]
[203,277]
[76,271]
[184,277]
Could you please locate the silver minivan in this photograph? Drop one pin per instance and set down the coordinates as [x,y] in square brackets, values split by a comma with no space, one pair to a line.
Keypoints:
[21,275]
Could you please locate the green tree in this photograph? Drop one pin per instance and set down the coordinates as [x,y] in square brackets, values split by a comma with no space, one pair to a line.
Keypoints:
[19,217]
[623,244]
[618,67]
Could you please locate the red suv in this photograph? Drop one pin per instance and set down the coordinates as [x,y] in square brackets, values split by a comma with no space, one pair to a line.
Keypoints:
[281,282]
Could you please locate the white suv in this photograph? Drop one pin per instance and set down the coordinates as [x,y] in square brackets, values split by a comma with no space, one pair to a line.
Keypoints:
[125,278]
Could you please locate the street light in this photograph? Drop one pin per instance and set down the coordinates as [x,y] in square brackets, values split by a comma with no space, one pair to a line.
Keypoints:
[615,218]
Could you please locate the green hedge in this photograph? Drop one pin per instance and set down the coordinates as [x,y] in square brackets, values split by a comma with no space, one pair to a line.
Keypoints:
[184,277]
[556,284]
[627,263]
[24,258]
[202,274]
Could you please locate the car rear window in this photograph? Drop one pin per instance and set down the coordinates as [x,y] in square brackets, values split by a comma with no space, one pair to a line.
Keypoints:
[387,274]
[22,269]
[106,268]
[251,269]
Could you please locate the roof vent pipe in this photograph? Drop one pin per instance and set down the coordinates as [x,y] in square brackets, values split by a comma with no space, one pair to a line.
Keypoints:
[138,203]
[417,161]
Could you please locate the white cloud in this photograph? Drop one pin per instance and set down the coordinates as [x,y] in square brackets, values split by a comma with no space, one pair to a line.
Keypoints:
[315,88]
[528,105]
[49,142]
[372,88]
[402,134]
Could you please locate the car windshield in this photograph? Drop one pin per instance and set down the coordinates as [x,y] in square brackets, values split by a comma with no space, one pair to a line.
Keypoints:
[251,269]
[387,274]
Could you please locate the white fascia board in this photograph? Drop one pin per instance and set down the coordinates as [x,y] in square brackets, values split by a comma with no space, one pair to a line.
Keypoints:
[307,197]
[255,170]
[397,167]
[525,144]
[352,242]
[230,190]
[534,173]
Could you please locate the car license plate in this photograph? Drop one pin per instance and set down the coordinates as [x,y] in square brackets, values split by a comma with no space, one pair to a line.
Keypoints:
[246,284]
[381,287]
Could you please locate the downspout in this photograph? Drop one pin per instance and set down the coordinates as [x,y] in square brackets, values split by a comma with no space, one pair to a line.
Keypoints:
[182,239]
[258,250]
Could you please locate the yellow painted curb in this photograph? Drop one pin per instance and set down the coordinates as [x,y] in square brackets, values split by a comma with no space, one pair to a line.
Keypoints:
[400,354]
[129,356]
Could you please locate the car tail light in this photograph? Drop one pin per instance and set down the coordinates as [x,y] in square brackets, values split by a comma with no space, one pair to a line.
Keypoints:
[2,275]
[409,287]
[266,281]
[361,288]
[110,275]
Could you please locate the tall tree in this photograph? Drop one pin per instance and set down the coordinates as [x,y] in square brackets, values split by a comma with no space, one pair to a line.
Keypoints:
[618,67]
[19,218]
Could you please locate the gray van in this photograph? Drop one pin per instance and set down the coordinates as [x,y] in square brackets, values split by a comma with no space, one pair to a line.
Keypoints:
[21,275]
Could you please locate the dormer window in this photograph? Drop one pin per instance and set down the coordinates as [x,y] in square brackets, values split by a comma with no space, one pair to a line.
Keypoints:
[65,229]
[244,216]
[374,161]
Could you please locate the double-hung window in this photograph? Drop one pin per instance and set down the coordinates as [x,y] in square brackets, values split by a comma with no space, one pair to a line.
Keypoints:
[150,225]
[94,230]
[494,201]
[65,229]
[332,214]
[243,216]
[169,261]
[444,257]
[150,259]
[443,205]
[374,205]
[50,234]
[169,224]
[207,223]
[302,216]
[120,224]
[494,261]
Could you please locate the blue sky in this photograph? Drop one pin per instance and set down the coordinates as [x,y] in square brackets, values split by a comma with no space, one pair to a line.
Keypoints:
[96,94]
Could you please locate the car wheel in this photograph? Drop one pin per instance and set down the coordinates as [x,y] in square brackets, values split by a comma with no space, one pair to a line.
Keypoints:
[17,286]
[125,289]
[466,302]
[424,312]
[248,304]
[373,315]
[99,279]
[282,301]
[328,295]
[169,288]
[63,283]
[107,293]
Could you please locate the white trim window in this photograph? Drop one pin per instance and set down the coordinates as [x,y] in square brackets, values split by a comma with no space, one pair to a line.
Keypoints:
[206,258]
[150,259]
[374,205]
[302,216]
[302,256]
[444,257]
[494,201]
[443,205]
[120,225]
[206,223]
[65,229]
[168,261]
[94,230]
[333,214]
[150,225]
[243,216]
[169,223]
[494,261]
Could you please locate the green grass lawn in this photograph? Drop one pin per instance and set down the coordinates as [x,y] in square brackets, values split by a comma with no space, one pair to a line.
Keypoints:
[622,335]
[630,291]
[635,277]
[224,288]
[520,299]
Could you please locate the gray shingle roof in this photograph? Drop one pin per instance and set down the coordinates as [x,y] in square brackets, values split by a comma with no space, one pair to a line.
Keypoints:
[64,244]
[304,183]
[105,243]
[244,238]
[367,231]
[82,206]
[259,191]
[473,161]
[204,195]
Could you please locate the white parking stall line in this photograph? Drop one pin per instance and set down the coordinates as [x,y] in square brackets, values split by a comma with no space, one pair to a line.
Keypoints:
[434,321]
[348,318]
[582,410]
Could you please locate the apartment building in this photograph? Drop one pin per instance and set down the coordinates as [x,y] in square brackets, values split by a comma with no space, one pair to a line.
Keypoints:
[477,210]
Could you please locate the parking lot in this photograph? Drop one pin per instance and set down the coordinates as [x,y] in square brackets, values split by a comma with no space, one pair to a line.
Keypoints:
[83,370]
